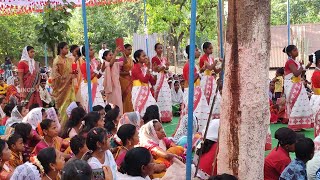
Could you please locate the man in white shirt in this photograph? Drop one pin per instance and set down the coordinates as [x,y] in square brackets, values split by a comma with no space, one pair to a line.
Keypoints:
[103,48]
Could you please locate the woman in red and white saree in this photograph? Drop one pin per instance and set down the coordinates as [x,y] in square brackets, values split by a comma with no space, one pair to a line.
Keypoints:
[297,101]
[162,91]
[201,109]
[141,77]
[29,77]
[207,65]
[95,73]
[315,98]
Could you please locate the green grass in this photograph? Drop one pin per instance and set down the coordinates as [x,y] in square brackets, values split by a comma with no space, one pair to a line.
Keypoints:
[171,127]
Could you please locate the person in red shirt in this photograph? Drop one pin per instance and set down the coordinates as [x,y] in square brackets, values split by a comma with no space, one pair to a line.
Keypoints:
[209,149]
[315,98]
[162,91]
[141,77]
[279,158]
[206,66]
[200,109]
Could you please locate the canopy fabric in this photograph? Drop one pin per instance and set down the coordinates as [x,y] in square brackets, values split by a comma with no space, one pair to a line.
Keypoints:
[11,7]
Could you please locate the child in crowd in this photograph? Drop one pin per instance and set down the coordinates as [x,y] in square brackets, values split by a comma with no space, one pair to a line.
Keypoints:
[304,150]
[279,158]
[15,143]
[278,83]
[78,147]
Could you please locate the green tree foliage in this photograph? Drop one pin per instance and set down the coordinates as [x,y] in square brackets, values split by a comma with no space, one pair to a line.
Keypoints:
[16,33]
[172,17]
[54,25]
[302,11]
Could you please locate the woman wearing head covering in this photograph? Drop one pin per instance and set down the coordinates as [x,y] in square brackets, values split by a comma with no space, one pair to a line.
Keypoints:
[34,117]
[29,77]
[12,91]
[298,105]
[209,149]
[17,115]
[131,118]
[153,137]
[62,81]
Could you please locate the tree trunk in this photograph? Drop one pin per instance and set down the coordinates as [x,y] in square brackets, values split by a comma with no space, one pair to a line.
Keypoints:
[245,116]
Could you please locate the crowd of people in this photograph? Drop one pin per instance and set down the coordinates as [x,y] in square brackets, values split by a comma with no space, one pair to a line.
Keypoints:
[294,102]
[48,131]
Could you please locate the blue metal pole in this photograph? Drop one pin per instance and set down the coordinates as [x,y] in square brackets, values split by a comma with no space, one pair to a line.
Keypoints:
[145,25]
[221,35]
[191,86]
[288,21]
[221,29]
[85,31]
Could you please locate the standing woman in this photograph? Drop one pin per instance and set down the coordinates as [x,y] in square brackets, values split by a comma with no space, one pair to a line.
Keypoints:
[126,79]
[62,76]
[298,105]
[162,92]
[315,98]
[112,87]
[207,65]
[95,74]
[29,77]
[141,76]
[200,109]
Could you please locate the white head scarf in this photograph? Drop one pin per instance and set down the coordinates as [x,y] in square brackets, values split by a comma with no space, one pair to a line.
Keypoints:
[25,57]
[213,130]
[148,135]
[34,117]
[16,117]
[72,106]
[10,80]
[130,118]
[26,171]
[52,114]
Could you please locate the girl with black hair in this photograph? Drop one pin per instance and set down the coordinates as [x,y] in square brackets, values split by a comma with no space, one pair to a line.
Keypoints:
[51,162]
[111,120]
[126,79]
[62,81]
[279,158]
[29,77]
[162,92]
[207,64]
[95,75]
[48,129]
[92,120]
[76,170]
[5,169]
[74,124]
[126,138]
[304,150]
[152,112]
[138,164]
[99,143]
[141,76]
[201,108]
[111,83]
[315,98]
[298,105]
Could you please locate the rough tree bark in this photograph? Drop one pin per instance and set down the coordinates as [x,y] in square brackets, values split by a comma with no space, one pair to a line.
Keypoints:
[245,113]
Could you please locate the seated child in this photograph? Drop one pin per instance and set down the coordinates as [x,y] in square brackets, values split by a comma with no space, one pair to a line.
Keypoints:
[16,145]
